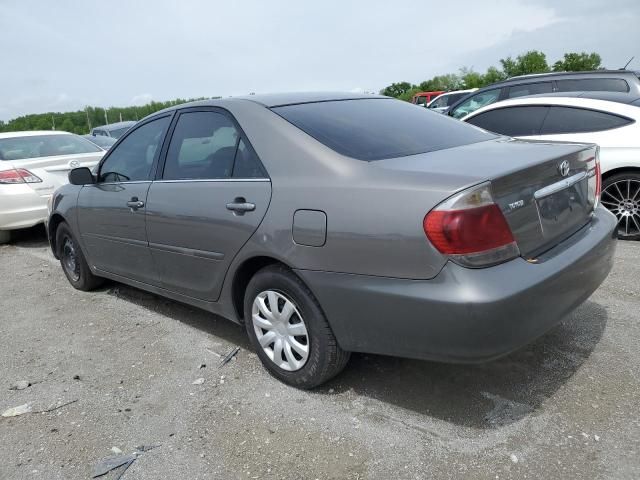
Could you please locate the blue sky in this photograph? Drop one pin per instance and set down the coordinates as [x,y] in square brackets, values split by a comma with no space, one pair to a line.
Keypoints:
[63,55]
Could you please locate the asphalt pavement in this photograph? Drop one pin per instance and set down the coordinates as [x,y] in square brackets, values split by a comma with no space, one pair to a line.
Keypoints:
[118,369]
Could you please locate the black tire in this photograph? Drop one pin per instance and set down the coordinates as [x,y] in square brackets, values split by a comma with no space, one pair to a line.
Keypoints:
[325,358]
[72,260]
[621,195]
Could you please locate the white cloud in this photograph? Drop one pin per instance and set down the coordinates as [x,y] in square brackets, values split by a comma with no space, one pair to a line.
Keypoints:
[100,55]
[141,99]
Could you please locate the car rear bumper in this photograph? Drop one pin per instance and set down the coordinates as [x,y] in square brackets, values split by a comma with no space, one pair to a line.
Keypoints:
[467,315]
[21,207]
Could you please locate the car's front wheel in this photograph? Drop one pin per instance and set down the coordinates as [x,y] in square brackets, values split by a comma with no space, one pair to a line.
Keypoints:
[289,330]
[621,195]
[73,262]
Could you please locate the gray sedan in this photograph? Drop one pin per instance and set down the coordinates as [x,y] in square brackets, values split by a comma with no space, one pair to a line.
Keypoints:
[329,223]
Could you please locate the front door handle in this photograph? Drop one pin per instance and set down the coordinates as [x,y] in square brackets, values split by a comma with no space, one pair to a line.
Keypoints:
[135,204]
[240,205]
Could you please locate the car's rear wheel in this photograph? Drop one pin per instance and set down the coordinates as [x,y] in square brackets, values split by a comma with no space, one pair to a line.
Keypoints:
[5,236]
[289,331]
[621,195]
[72,260]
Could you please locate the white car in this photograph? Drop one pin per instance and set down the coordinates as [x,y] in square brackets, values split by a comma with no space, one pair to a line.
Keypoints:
[32,166]
[442,102]
[615,127]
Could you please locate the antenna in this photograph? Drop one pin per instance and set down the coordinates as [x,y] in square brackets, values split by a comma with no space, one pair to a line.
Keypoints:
[627,64]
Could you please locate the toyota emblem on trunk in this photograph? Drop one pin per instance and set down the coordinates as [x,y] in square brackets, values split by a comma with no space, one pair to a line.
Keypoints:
[563,168]
[74,164]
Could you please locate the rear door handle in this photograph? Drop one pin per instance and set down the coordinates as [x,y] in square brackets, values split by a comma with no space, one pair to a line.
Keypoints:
[239,206]
[135,204]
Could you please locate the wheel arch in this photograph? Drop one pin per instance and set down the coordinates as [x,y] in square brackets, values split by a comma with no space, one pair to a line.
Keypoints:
[54,222]
[616,171]
[243,274]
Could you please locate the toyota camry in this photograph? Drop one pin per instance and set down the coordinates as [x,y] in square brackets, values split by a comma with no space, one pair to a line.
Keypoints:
[338,223]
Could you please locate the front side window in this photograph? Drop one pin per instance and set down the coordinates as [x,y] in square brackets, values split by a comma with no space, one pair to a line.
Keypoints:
[421,100]
[530,89]
[580,120]
[133,158]
[376,129]
[36,146]
[593,85]
[512,121]
[203,146]
[475,102]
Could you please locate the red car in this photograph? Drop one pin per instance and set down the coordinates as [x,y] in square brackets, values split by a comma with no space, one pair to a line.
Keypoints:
[422,98]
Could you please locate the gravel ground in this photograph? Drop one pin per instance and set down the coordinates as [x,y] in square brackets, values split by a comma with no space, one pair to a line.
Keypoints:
[564,407]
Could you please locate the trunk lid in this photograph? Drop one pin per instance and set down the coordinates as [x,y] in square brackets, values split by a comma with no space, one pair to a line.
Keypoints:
[542,202]
[54,171]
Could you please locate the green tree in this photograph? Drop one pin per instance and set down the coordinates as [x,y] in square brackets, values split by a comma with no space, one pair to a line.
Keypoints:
[578,62]
[470,78]
[532,61]
[396,89]
[492,75]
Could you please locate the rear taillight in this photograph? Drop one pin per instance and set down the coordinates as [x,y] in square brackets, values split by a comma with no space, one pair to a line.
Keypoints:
[595,179]
[18,175]
[471,229]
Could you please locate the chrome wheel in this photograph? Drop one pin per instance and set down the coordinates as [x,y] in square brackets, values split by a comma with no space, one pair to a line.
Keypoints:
[70,259]
[622,198]
[280,330]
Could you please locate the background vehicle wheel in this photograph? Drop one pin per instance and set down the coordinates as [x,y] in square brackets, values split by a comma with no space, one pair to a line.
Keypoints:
[72,260]
[621,195]
[5,236]
[289,330]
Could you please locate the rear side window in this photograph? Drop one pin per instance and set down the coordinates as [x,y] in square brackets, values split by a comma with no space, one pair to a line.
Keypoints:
[203,146]
[36,146]
[592,85]
[475,102]
[375,129]
[512,121]
[580,120]
[529,89]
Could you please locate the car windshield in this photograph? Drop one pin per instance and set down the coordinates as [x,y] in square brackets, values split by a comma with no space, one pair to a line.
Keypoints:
[118,132]
[477,101]
[102,141]
[376,129]
[35,146]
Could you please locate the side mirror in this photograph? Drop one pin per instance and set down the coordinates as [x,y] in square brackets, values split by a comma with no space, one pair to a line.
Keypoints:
[81,176]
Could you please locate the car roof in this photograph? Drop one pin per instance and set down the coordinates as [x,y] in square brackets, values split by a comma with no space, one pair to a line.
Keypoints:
[556,75]
[115,126]
[620,97]
[590,103]
[32,133]
[272,100]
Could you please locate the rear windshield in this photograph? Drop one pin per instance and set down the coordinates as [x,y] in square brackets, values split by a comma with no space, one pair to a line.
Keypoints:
[36,146]
[118,132]
[376,129]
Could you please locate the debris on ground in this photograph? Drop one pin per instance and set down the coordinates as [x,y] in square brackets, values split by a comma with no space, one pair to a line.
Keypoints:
[116,450]
[26,408]
[19,410]
[198,381]
[513,458]
[202,365]
[229,356]
[109,464]
[20,385]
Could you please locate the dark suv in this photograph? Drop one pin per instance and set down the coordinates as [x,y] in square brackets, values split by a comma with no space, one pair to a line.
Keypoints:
[599,80]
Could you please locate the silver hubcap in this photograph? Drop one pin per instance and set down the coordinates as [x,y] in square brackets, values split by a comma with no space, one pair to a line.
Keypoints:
[623,199]
[280,330]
